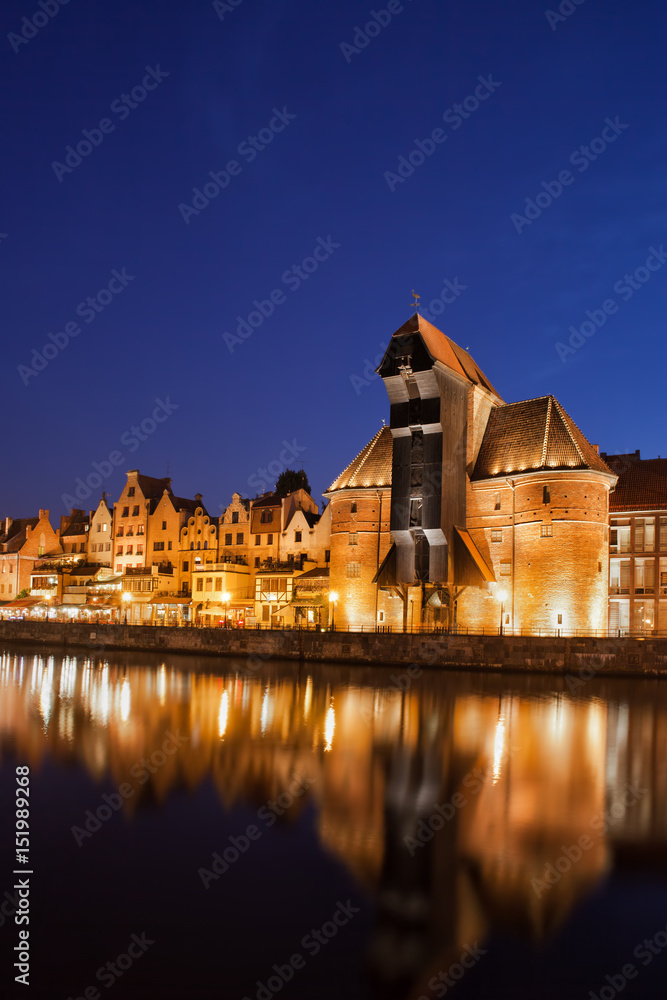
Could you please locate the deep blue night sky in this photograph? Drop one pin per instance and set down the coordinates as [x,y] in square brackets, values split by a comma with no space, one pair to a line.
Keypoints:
[298,377]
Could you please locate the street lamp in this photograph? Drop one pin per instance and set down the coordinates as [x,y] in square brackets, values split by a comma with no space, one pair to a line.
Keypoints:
[502,597]
[333,598]
[226,597]
[126,601]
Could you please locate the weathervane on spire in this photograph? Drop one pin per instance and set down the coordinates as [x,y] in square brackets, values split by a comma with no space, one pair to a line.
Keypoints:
[416,302]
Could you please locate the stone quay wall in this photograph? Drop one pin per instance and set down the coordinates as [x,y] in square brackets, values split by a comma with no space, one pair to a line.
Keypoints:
[582,657]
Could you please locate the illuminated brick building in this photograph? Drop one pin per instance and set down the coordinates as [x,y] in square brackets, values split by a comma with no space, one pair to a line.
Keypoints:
[638,544]
[466,507]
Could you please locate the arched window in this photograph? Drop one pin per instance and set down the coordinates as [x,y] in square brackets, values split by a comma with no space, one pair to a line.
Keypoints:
[205,545]
[192,545]
[198,545]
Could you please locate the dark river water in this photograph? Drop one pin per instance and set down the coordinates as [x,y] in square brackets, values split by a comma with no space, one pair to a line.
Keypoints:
[211,828]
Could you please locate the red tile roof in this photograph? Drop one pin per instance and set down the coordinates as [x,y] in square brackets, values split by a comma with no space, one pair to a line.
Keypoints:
[642,485]
[443,349]
[371,469]
[532,435]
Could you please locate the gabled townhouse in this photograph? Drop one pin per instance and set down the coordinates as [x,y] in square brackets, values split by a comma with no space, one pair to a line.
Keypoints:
[100,535]
[23,542]
[141,495]
[74,533]
[198,545]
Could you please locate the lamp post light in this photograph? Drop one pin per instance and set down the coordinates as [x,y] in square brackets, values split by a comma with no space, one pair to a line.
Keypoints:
[126,601]
[226,597]
[502,597]
[333,598]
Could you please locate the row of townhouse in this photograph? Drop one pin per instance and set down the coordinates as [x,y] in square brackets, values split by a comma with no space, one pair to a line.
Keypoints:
[153,557]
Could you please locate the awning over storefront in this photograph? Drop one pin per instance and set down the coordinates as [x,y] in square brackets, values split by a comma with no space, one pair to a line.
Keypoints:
[26,602]
[170,600]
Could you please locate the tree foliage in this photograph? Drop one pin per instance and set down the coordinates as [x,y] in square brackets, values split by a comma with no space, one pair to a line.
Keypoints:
[291,480]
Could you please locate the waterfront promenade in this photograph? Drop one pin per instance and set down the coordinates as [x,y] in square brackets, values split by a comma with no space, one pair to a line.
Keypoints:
[582,657]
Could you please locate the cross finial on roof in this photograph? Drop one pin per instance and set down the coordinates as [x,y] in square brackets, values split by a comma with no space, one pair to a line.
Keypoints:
[416,302]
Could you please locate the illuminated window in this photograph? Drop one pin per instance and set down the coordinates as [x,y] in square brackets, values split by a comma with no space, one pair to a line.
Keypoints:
[140,529]
[200,584]
[496,503]
[644,534]
[128,550]
[209,583]
[353,569]
[119,533]
[497,535]
[505,568]
[119,550]
[140,550]
[352,539]
[546,530]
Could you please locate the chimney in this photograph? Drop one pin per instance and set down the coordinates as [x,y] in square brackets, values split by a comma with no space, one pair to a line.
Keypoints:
[8,523]
[597,448]
[198,498]
[43,513]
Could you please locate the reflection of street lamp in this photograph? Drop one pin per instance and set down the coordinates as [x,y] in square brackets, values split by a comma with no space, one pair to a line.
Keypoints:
[226,597]
[126,600]
[502,597]
[333,598]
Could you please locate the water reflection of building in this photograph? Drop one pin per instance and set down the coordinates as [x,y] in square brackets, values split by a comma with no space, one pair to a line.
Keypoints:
[523,777]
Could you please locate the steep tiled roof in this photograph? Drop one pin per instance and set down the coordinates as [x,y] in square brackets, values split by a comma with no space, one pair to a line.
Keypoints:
[152,488]
[269,501]
[180,503]
[75,528]
[530,436]
[371,469]
[443,349]
[15,538]
[642,485]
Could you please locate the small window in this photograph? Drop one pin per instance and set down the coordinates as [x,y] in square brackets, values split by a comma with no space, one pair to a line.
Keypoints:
[239,538]
[126,512]
[119,533]
[119,567]
[169,546]
[200,585]
[352,539]
[186,566]
[327,555]
[158,546]
[353,507]
[140,550]
[256,562]
[505,568]
[258,539]
[119,550]
[353,569]
[164,524]
[228,539]
[235,517]
[267,517]
[129,550]
[104,527]
[130,492]
[297,536]
[497,535]
[380,616]
[209,583]
[496,502]
[140,529]
[135,511]
[99,527]
[546,494]
[269,539]
[546,530]
[560,619]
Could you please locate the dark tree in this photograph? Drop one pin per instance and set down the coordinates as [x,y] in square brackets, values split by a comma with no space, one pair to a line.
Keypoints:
[291,480]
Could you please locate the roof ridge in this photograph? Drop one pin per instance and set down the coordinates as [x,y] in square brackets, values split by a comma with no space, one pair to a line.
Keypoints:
[547,425]
[565,418]
[366,448]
